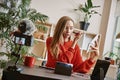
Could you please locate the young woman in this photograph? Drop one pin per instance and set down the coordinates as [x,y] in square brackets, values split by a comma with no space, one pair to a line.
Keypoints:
[61,48]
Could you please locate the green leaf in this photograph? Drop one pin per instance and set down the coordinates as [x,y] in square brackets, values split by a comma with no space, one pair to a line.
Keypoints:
[3,63]
[95,6]
[89,2]
[84,10]
[4,6]
[86,6]
[9,20]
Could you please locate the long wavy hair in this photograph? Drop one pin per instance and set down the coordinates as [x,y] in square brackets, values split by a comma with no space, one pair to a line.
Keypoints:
[58,37]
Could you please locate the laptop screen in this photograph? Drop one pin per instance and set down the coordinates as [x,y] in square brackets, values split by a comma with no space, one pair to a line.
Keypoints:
[100,70]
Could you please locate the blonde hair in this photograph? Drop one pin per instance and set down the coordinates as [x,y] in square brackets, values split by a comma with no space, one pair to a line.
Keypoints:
[57,37]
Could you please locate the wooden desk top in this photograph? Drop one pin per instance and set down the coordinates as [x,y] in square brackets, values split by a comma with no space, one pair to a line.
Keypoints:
[39,73]
[42,72]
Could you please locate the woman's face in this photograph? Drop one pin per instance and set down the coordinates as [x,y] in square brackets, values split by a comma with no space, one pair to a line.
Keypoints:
[68,29]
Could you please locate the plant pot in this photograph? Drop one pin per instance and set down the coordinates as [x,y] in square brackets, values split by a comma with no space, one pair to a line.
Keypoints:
[84,25]
[111,60]
[29,61]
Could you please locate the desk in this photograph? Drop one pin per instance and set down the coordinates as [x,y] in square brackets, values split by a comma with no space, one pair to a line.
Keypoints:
[37,73]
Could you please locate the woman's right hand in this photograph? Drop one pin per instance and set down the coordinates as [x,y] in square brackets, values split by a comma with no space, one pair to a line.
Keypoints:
[78,35]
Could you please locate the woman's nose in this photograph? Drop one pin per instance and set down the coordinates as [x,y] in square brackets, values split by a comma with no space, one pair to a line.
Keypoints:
[68,30]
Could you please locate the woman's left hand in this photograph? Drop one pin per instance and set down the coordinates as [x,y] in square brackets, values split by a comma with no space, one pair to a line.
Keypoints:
[94,52]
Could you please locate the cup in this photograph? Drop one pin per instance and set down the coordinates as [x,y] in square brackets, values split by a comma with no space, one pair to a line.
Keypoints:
[29,61]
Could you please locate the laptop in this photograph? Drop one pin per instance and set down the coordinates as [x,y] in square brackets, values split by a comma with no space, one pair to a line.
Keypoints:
[99,71]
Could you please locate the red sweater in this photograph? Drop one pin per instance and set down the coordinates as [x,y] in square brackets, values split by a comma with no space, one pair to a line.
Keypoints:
[69,55]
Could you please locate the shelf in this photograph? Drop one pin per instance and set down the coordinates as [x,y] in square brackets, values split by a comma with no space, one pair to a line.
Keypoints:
[39,49]
[40,40]
[84,32]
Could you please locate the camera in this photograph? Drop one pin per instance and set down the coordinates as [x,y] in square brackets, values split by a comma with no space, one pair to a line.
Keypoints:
[23,39]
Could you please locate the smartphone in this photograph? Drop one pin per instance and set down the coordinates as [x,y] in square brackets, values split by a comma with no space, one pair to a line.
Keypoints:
[92,43]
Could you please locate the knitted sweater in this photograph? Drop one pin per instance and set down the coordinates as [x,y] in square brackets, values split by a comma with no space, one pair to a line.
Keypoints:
[68,55]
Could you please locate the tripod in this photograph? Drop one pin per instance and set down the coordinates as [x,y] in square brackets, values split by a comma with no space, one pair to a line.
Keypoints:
[17,55]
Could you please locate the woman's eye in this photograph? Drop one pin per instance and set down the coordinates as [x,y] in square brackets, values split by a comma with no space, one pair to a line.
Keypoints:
[66,27]
[69,27]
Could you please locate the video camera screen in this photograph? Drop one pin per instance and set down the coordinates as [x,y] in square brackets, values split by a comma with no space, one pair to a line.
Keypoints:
[22,39]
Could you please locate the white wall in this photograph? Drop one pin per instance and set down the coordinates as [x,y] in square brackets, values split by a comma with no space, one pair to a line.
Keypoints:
[98,24]
[118,8]
[111,28]
[57,8]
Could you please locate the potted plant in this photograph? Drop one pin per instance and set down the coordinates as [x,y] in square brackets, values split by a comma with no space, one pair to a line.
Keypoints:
[113,56]
[110,55]
[88,10]
[11,12]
